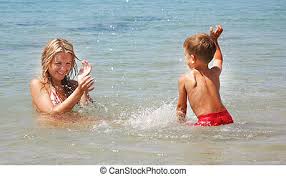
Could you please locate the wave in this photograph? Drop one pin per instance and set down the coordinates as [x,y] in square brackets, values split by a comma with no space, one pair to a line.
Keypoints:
[152,118]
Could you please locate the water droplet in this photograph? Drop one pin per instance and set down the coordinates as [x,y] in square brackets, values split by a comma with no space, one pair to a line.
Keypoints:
[160,154]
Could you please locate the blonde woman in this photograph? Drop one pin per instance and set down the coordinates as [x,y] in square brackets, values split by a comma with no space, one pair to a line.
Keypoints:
[54,92]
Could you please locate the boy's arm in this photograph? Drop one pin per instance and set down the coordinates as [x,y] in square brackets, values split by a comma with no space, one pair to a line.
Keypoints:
[218,58]
[182,101]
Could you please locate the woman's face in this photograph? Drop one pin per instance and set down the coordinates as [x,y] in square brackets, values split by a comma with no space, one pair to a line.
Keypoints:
[60,66]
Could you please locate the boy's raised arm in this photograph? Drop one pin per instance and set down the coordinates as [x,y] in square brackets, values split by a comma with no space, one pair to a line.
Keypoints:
[218,59]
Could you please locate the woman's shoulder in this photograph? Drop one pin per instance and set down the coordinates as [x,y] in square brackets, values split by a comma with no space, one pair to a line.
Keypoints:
[36,83]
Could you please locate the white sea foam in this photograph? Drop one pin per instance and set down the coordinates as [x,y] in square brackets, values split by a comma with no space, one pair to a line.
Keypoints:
[151,118]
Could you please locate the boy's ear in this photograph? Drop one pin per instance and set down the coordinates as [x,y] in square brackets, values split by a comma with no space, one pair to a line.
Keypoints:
[193,58]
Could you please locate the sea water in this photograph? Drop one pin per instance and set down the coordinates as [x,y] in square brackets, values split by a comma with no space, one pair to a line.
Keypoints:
[136,51]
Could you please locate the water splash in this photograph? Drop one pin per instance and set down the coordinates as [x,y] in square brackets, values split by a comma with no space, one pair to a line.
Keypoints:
[153,118]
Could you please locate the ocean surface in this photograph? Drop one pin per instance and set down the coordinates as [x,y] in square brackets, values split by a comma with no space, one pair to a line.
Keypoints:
[135,47]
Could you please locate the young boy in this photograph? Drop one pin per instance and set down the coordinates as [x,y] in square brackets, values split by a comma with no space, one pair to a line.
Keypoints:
[201,85]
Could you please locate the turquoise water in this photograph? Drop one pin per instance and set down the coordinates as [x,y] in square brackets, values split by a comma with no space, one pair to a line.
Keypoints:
[135,48]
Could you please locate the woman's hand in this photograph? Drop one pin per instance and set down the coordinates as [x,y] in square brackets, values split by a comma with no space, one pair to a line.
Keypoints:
[85,81]
[86,84]
[84,70]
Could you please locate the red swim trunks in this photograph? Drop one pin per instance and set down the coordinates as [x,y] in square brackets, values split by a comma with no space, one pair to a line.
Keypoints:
[214,119]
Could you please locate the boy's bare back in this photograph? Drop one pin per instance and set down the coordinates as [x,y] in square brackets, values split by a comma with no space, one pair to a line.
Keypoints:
[202,88]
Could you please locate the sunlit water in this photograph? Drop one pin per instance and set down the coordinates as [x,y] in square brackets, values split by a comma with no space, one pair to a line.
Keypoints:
[135,48]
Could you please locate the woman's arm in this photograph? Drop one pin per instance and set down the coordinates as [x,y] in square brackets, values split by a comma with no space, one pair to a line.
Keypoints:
[85,70]
[85,98]
[41,97]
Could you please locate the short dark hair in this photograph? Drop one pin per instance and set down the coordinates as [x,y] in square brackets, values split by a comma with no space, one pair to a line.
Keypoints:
[201,45]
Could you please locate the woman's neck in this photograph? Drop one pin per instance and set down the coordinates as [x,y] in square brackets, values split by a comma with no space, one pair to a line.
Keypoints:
[56,83]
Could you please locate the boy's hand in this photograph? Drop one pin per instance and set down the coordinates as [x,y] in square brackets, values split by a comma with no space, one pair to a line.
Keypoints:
[181,117]
[215,34]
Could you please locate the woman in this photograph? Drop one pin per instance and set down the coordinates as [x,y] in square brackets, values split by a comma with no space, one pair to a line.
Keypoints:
[55,93]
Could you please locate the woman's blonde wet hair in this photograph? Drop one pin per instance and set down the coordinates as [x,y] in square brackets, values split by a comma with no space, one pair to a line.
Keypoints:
[54,47]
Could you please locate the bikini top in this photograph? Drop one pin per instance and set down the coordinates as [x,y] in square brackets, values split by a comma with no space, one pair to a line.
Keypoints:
[54,97]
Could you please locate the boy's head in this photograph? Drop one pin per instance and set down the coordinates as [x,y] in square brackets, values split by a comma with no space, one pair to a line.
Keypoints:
[201,47]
